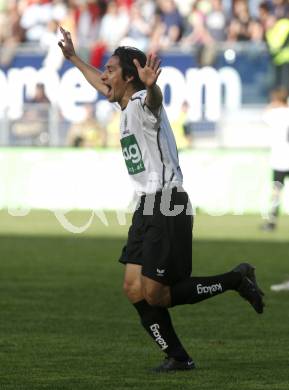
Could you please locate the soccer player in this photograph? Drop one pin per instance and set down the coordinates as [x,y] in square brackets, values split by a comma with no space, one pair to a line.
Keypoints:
[158,253]
[276,117]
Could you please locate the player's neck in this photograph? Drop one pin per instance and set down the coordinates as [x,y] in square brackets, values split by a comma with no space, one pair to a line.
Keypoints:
[130,90]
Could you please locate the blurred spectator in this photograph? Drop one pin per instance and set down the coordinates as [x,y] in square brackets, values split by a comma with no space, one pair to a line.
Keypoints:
[33,126]
[87,133]
[159,25]
[168,27]
[59,10]
[87,15]
[69,21]
[184,7]
[113,25]
[216,21]
[138,31]
[256,31]
[197,33]
[239,26]
[253,8]
[277,38]
[264,15]
[37,14]
[11,33]
[125,3]
[4,15]
[280,8]
[34,19]
[148,9]
[40,95]
[100,25]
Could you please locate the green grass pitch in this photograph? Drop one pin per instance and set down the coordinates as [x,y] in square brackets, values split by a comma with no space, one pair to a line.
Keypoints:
[65,324]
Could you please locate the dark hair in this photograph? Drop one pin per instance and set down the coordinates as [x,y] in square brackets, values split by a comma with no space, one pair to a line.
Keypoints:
[265,6]
[126,55]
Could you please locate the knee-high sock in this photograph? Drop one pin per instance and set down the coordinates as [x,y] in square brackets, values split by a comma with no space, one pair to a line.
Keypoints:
[157,322]
[196,289]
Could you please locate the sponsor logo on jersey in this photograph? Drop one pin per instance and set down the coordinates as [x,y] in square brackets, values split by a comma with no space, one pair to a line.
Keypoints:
[158,338]
[132,155]
[209,289]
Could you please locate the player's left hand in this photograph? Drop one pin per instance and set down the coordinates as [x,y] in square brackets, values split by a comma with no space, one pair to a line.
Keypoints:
[150,72]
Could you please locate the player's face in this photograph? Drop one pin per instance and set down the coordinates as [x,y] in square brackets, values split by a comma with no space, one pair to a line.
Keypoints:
[112,78]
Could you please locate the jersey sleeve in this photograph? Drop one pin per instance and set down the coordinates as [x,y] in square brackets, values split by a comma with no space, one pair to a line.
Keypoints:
[146,115]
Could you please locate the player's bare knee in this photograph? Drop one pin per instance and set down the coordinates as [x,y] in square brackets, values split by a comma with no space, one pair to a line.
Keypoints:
[132,289]
[153,292]
[128,288]
[152,296]
[152,300]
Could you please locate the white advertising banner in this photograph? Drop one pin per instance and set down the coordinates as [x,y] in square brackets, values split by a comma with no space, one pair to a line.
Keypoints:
[218,181]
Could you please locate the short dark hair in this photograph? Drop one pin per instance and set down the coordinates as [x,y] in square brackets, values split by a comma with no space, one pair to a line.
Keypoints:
[126,55]
[265,6]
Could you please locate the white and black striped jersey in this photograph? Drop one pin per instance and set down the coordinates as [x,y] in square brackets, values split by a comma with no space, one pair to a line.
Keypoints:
[149,147]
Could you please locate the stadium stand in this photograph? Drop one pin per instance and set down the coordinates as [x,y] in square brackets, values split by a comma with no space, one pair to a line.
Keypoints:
[201,28]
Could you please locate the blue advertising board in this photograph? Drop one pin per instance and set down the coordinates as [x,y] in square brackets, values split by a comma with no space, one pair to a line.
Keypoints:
[238,77]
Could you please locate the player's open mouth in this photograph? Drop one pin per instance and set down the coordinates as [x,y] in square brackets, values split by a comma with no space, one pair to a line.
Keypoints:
[108,89]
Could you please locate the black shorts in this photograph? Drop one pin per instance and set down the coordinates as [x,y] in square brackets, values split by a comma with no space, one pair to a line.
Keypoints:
[161,243]
[280,176]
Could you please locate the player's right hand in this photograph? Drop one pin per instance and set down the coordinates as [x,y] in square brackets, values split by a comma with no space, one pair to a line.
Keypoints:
[66,44]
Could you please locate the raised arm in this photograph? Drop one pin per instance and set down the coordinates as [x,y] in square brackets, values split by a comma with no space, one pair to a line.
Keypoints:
[149,75]
[92,75]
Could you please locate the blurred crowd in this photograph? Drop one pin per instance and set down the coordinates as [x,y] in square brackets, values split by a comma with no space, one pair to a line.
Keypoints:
[98,26]
[147,24]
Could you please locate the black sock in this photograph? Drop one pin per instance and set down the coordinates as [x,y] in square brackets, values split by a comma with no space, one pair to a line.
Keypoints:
[157,322]
[196,289]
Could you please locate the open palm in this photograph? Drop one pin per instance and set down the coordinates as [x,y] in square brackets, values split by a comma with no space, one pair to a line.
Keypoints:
[150,72]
